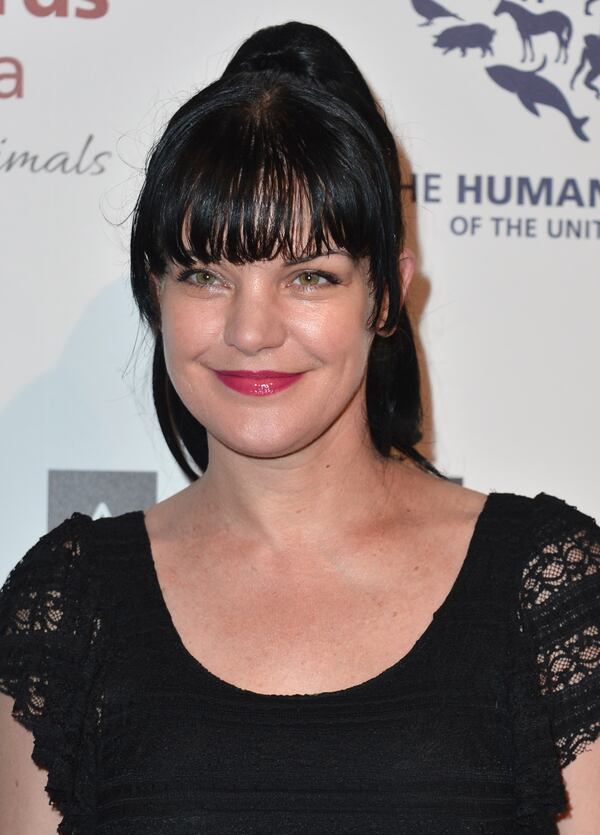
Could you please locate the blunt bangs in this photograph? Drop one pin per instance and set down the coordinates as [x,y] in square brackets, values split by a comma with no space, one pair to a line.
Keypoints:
[253,168]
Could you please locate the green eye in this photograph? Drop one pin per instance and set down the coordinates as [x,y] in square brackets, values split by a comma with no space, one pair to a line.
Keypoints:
[197,278]
[202,278]
[310,280]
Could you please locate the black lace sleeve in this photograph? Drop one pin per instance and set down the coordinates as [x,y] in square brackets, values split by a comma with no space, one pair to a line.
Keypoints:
[560,609]
[50,639]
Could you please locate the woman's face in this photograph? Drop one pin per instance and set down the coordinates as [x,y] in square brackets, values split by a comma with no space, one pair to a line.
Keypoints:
[304,318]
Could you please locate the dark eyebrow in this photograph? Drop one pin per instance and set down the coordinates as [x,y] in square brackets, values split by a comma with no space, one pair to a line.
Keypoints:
[306,258]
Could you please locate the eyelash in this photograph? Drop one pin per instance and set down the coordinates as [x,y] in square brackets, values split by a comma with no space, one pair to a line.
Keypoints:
[186,275]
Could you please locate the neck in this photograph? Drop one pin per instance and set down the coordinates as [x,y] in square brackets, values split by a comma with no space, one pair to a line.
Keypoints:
[337,483]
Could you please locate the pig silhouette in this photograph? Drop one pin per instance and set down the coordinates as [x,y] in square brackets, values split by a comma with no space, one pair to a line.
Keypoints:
[473,36]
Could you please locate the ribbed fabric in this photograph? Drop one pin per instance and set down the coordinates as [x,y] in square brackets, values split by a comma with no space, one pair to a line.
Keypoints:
[465,734]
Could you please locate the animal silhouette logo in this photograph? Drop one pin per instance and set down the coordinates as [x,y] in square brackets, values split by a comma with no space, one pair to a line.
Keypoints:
[591,55]
[431,10]
[549,50]
[532,89]
[476,35]
[530,24]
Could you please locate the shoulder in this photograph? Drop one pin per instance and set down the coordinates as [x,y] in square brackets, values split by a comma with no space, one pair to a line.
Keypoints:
[546,548]
[559,614]
[56,619]
[76,536]
[563,554]
[44,572]
[551,545]
[560,572]
[432,500]
[66,565]
[554,515]
[541,531]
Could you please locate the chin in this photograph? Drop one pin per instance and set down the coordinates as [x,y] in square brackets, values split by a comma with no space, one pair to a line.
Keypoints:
[266,444]
[275,448]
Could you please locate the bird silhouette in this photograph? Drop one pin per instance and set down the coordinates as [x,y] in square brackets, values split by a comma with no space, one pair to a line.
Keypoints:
[429,9]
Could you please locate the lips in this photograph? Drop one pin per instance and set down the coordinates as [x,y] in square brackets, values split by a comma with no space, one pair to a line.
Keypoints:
[257,375]
[257,383]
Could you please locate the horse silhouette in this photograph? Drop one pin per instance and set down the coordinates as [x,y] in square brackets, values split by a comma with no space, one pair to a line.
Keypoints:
[591,55]
[529,24]
[532,89]
[475,36]
[430,10]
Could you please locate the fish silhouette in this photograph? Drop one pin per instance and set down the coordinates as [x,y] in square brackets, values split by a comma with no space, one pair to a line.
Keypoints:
[532,89]
[430,10]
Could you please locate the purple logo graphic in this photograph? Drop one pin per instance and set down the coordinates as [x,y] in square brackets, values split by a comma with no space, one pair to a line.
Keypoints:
[533,34]
[530,24]
[431,10]
[591,55]
[532,89]
[475,36]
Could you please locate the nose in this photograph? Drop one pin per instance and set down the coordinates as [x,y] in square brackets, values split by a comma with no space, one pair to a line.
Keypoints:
[254,320]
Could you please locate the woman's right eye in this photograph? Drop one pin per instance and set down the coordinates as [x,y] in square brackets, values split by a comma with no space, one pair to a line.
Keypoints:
[197,278]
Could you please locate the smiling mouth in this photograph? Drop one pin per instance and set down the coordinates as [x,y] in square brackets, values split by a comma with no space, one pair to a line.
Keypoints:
[258,375]
[257,383]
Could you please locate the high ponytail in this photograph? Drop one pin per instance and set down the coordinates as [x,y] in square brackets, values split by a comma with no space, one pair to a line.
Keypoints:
[307,52]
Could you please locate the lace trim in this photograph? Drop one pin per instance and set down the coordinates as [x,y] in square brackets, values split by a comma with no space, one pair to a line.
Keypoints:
[559,566]
[50,639]
[560,602]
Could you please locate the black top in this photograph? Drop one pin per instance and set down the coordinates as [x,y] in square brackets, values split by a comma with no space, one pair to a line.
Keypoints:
[465,734]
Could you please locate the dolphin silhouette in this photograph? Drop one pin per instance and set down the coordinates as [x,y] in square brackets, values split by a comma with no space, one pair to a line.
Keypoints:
[532,89]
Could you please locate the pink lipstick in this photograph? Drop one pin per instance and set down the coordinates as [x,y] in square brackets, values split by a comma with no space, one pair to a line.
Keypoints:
[258,383]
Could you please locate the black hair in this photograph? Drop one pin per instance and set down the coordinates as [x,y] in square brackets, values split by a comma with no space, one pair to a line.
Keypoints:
[286,154]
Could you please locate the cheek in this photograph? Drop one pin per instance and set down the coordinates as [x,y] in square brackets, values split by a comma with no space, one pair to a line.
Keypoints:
[338,333]
[185,334]
[185,330]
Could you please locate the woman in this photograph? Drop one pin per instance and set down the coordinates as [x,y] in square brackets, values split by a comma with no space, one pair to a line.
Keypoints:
[321,634]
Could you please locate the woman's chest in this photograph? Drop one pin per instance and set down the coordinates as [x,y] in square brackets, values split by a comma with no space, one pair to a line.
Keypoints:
[299,623]
[432,732]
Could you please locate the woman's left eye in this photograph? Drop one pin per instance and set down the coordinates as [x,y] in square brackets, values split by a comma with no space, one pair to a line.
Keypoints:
[309,280]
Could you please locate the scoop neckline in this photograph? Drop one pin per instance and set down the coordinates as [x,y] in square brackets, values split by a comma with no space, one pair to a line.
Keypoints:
[233,690]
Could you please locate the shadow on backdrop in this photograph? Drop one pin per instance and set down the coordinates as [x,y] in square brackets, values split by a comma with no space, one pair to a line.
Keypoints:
[90,412]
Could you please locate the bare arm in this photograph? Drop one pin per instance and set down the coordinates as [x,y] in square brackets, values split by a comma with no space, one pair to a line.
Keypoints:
[582,781]
[24,805]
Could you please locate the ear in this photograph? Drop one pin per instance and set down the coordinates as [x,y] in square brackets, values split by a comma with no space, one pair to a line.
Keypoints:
[406,270]
[408,264]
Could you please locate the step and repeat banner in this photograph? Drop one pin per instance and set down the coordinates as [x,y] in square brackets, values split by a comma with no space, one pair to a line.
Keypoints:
[496,106]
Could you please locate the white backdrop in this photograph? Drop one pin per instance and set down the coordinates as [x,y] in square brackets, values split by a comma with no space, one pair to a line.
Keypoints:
[507,227]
